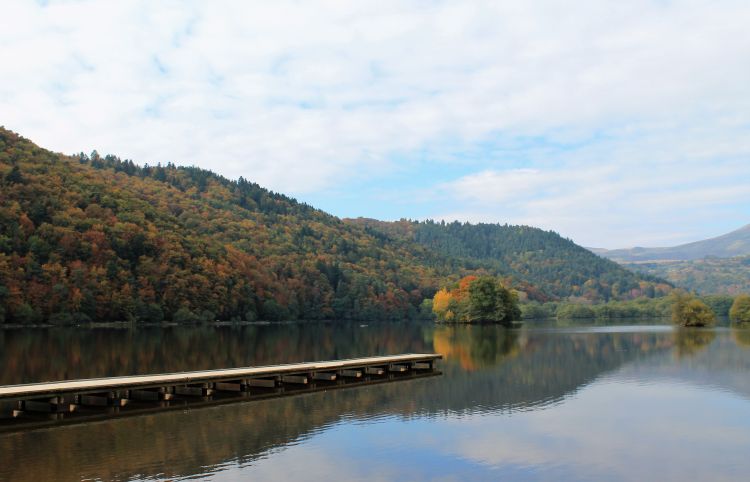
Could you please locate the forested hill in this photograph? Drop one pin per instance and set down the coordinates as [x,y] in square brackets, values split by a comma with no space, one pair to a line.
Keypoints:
[90,237]
[99,238]
[528,256]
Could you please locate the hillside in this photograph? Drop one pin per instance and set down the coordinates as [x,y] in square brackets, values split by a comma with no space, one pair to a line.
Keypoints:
[100,238]
[528,257]
[736,243]
[710,275]
[97,238]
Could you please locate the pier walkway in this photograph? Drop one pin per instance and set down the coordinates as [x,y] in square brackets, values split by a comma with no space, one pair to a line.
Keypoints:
[113,395]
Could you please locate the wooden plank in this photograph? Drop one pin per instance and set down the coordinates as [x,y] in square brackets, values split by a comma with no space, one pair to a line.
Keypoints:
[33,390]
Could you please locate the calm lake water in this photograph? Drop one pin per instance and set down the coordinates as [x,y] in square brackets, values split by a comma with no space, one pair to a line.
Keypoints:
[545,402]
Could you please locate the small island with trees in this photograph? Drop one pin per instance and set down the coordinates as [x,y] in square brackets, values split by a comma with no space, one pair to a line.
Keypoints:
[473,299]
[689,311]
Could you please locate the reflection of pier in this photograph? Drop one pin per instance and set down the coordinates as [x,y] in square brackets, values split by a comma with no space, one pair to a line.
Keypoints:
[84,399]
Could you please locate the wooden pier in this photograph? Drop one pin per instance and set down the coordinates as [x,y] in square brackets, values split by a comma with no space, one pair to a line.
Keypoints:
[97,397]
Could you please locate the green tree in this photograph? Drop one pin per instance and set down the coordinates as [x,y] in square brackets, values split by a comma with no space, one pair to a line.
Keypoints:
[14,176]
[484,304]
[687,310]
[719,304]
[740,311]
[569,311]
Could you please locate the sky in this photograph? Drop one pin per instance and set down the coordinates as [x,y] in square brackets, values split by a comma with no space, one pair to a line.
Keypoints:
[613,123]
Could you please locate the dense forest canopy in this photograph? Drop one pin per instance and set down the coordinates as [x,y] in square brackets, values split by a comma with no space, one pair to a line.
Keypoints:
[540,263]
[88,237]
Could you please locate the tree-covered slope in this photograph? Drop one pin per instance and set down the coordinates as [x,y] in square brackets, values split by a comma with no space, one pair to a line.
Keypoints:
[530,257]
[735,243]
[89,237]
[98,238]
[710,275]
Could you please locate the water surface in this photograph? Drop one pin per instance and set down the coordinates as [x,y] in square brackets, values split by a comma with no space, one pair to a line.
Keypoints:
[635,402]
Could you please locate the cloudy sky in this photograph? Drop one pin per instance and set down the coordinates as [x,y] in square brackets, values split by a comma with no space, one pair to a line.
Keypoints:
[614,123]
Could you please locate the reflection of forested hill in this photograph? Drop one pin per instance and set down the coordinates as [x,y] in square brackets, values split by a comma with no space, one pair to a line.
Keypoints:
[487,368]
[64,353]
[538,368]
[708,359]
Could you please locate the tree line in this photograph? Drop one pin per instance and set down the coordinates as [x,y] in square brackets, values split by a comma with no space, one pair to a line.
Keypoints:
[680,305]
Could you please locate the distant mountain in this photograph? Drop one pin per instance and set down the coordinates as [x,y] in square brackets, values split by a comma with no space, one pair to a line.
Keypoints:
[90,237]
[542,263]
[736,243]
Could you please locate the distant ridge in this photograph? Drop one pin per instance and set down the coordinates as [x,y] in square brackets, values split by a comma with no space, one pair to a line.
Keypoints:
[735,243]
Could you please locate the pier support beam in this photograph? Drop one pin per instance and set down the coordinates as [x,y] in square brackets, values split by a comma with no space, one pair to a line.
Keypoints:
[193,391]
[325,376]
[47,405]
[262,382]
[351,373]
[111,399]
[294,379]
[229,386]
[152,395]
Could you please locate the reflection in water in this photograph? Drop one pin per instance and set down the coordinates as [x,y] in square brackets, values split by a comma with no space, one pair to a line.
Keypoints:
[741,334]
[62,353]
[476,346]
[532,403]
[689,341]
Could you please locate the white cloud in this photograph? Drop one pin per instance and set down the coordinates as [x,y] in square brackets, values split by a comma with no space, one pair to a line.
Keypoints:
[302,96]
[661,190]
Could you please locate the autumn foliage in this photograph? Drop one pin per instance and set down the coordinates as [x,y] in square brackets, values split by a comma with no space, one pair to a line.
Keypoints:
[477,300]
[98,238]
[92,238]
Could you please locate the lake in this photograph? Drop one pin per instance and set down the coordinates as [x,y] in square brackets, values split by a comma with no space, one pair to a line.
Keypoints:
[544,402]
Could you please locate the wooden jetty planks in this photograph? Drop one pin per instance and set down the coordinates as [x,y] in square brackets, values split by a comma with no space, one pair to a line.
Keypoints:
[138,383]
